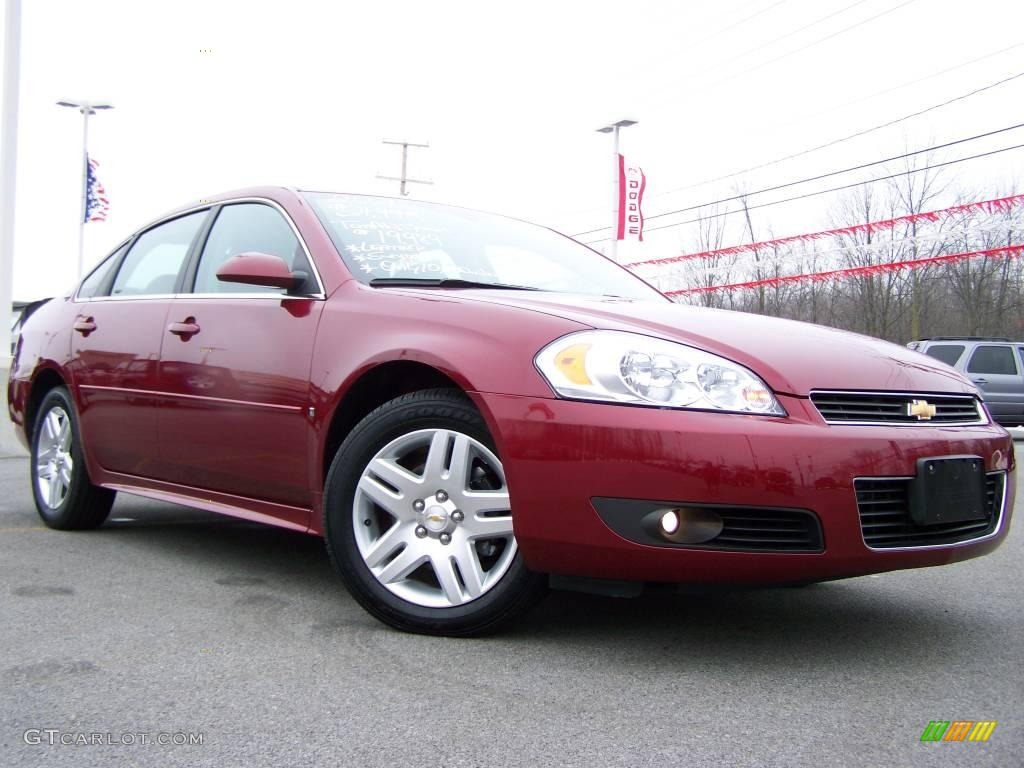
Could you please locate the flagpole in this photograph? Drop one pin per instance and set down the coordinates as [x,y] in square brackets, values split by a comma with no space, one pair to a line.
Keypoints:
[85,190]
[9,164]
[613,129]
[87,108]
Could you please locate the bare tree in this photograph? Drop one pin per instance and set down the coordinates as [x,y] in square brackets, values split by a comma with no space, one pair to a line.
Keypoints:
[707,272]
[969,296]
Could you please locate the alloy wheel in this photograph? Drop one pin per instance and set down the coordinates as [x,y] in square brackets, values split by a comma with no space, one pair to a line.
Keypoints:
[432,518]
[54,463]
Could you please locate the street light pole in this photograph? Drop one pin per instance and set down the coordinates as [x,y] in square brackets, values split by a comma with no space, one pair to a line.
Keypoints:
[613,129]
[87,108]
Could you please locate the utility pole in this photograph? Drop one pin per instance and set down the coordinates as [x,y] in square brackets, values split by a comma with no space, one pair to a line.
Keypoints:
[8,169]
[404,179]
[614,130]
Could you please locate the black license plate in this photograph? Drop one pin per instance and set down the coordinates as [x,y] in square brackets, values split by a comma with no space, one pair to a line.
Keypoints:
[950,489]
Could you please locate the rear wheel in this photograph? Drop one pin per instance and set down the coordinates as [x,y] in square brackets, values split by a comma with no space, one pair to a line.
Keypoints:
[65,496]
[418,521]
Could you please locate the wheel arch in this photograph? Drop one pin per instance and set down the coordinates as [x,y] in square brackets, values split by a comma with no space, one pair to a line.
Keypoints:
[371,389]
[46,378]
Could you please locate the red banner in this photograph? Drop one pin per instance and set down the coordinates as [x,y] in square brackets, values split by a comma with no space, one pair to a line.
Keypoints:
[1000,205]
[1008,252]
[632,184]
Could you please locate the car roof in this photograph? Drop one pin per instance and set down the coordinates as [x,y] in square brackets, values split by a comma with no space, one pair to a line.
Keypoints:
[273,193]
[983,339]
[278,193]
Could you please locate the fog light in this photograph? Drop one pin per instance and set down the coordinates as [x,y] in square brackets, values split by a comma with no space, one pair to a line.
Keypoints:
[684,525]
[670,522]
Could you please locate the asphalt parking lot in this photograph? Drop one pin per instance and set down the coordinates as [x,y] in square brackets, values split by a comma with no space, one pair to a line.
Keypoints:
[177,622]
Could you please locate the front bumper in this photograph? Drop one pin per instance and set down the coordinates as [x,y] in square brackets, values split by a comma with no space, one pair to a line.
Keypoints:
[559,455]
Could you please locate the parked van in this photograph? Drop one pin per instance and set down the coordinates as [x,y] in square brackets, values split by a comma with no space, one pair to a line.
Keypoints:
[995,364]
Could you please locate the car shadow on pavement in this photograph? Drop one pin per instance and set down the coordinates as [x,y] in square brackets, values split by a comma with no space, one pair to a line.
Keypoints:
[859,626]
[856,622]
[241,549]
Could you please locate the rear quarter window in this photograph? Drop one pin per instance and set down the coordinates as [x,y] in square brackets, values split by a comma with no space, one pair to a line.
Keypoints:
[947,353]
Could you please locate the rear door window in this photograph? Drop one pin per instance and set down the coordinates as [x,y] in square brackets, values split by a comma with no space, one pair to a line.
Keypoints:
[95,282]
[152,265]
[993,359]
[947,353]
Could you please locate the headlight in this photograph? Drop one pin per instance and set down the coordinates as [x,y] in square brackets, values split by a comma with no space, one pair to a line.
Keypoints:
[619,367]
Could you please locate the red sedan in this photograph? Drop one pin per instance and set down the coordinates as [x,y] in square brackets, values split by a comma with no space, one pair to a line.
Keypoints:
[468,407]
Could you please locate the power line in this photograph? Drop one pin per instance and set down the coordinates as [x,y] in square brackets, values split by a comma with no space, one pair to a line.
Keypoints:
[851,186]
[860,100]
[823,146]
[687,47]
[838,173]
[851,136]
[723,30]
[826,191]
[820,40]
[774,40]
[732,26]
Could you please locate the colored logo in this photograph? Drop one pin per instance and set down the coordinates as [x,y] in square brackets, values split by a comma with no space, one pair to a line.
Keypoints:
[921,408]
[958,730]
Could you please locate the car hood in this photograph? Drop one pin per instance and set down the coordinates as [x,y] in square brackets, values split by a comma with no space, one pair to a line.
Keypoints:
[792,357]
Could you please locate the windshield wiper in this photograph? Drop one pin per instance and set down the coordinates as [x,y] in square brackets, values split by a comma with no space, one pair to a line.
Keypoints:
[443,282]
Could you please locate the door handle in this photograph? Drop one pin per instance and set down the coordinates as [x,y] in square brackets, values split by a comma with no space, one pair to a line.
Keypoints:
[980,381]
[84,325]
[185,330]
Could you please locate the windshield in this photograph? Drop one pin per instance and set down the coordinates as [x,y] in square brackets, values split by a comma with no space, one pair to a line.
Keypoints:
[381,237]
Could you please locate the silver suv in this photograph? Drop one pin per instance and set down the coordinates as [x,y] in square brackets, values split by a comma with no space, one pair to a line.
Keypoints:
[995,364]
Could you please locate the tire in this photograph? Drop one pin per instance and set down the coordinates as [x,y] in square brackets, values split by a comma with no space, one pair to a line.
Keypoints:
[446,566]
[64,495]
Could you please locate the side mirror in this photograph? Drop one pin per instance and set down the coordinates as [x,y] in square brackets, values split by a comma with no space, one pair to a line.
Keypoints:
[255,268]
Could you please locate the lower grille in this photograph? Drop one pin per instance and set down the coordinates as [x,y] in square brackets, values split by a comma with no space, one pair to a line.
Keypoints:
[884,507]
[749,529]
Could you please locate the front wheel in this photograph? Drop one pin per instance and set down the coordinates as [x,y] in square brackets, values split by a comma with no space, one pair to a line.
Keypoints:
[418,521]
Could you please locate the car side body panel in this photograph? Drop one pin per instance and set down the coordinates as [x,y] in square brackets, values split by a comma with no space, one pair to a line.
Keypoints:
[243,377]
[115,374]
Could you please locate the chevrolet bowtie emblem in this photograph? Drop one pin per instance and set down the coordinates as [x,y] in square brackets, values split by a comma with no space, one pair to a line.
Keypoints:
[920,408]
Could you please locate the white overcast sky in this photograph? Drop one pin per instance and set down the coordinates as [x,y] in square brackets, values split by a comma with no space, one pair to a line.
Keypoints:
[508,94]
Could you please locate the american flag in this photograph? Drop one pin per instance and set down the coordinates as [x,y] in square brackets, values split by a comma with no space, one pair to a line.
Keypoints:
[96,203]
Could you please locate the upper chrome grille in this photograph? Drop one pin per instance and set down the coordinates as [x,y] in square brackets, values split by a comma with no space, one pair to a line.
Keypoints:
[893,408]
